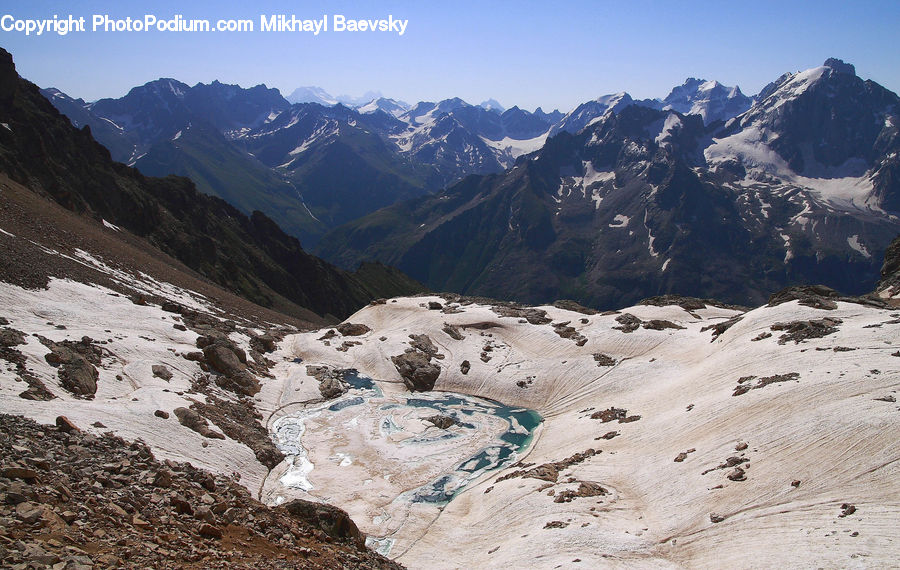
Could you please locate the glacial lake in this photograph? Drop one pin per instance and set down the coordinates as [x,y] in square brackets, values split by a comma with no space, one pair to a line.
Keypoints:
[399,423]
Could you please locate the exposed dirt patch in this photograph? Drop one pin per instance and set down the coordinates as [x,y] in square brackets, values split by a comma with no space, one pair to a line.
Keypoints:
[352,329]
[611,414]
[604,360]
[744,385]
[660,324]
[800,331]
[565,331]
[683,455]
[628,323]
[549,471]
[585,489]
[718,328]
[530,314]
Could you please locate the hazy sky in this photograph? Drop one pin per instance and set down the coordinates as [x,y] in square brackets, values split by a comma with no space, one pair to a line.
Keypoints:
[521,53]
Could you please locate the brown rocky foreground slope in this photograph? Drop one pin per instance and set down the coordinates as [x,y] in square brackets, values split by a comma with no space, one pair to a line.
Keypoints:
[74,500]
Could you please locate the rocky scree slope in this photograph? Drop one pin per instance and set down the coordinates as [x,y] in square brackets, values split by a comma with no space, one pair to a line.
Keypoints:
[77,500]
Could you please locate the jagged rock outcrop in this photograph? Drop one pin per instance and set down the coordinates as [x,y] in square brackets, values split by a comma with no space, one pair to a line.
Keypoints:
[416,369]
[76,362]
[889,285]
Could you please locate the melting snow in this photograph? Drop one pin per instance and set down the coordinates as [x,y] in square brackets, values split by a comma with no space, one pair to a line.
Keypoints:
[514,148]
[854,242]
[112,226]
[788,255]
[620,221]
[326,130]
[650,238]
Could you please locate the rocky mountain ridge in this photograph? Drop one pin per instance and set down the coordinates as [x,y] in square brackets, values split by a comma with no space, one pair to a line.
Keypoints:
[284,158]
[40,149]
[644,202]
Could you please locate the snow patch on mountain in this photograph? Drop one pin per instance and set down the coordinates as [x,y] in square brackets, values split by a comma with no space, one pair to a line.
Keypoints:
[841,188]
[853,241]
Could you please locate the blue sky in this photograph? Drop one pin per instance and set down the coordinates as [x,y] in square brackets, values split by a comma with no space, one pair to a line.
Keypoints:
[519,52]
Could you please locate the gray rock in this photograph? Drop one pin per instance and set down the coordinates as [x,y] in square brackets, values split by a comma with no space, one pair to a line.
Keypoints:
[418,373]
[161,371]
[332,520]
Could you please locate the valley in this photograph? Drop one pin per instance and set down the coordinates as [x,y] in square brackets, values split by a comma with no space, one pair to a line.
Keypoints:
[642,334]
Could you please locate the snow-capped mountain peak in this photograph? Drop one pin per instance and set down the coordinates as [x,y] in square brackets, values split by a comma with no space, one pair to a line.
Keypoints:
[389,106]
[311,94]
[492,105]
[709,99]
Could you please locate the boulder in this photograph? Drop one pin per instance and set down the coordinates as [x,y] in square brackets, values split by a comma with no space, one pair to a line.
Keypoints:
[352,329]
[234,376]
[64,424]
[332,520]
[417,371]
[423,342]
[453,332]
[442,421]
[263,343]
[76,361]
[161,371]
[192,420]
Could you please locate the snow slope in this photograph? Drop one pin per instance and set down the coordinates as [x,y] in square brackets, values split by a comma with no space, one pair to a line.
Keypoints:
[831,429]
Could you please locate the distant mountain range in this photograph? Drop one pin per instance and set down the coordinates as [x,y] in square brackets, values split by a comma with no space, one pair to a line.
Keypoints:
[310,162]
[313,161]
[247,255]
[643,200]
[617,199]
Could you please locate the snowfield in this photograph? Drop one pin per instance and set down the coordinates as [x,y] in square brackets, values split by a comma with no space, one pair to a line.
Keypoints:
[830,428]
[665,446]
